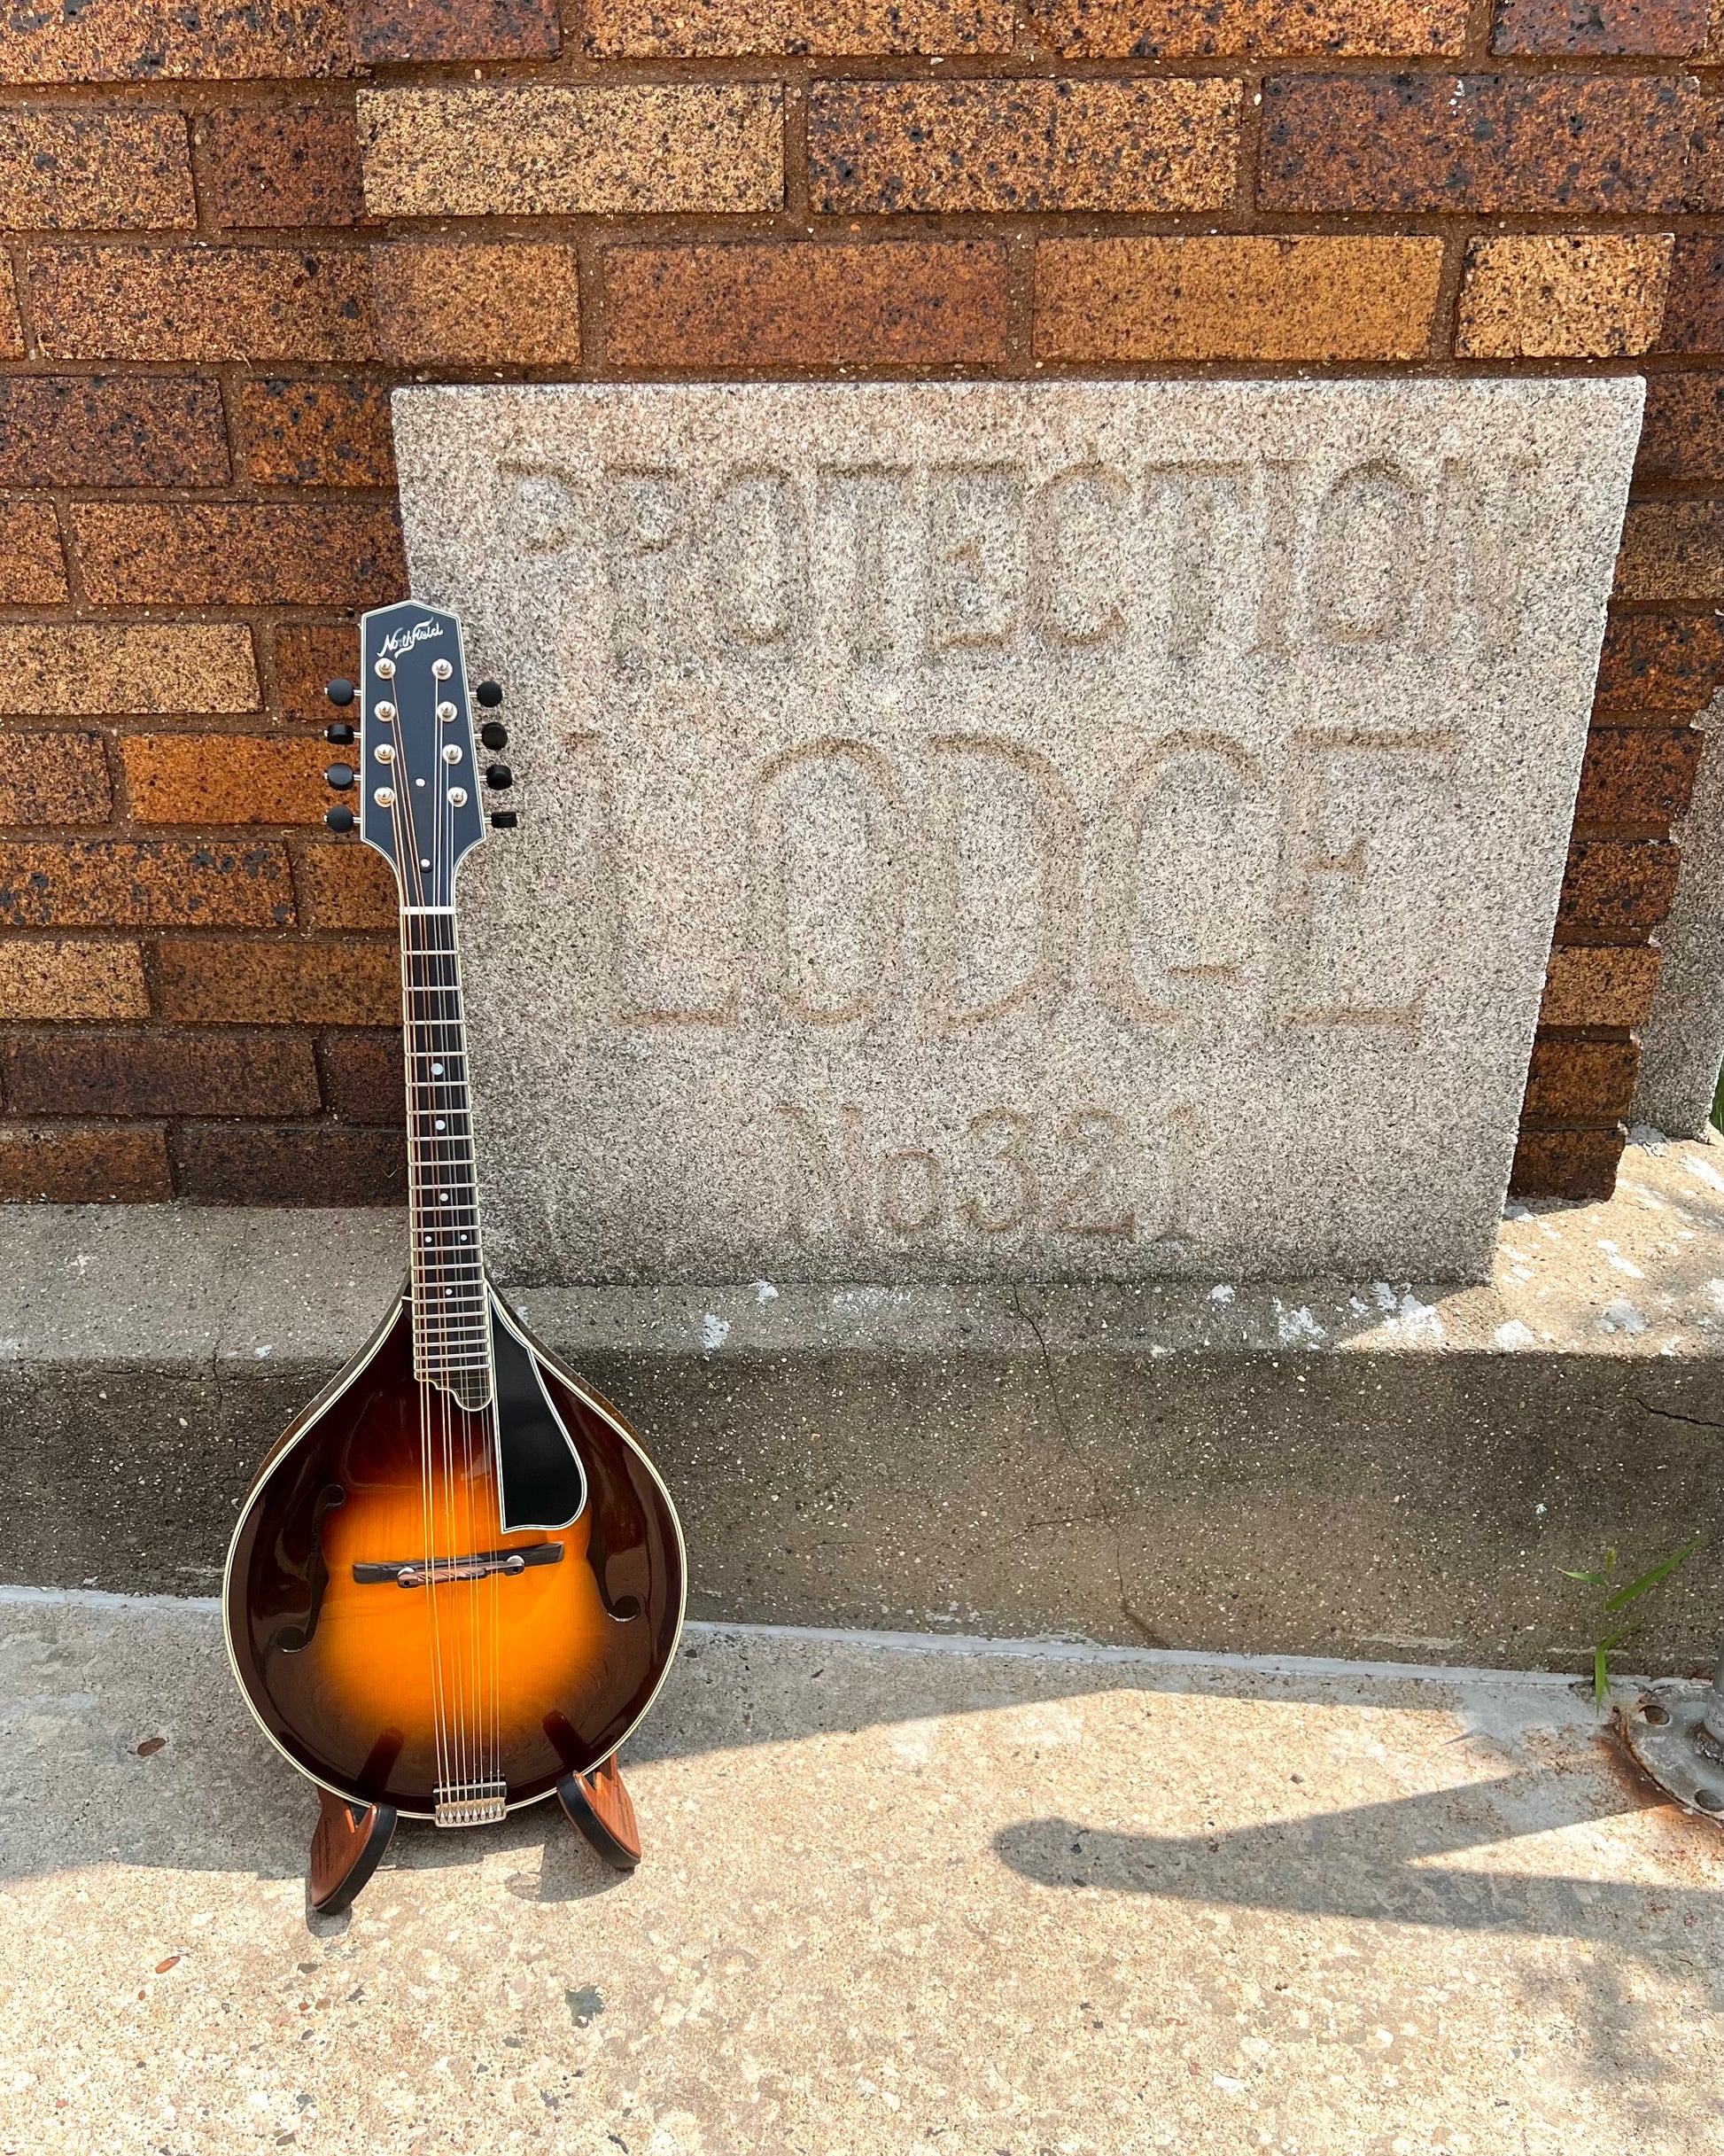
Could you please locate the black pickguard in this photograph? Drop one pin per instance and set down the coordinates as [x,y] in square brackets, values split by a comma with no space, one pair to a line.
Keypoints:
[544,1483]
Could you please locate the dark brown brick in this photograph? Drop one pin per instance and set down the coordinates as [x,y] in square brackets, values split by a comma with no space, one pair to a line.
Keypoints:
[1672,550]
[95,169]
[139,41]
[317,434]
[225,778]
[280,165]
[1163,29]
[32,565]
[883,147]
[322,1163]
[1681,437]
[161,1074]
[1671,28]
[202,303]
[1566,1164]
[71,980]
[1638,773]
[1705,171]
[1598,984]
[456,29]
[53,778]
[307,658]
[1660,662]
[240,554]
[1613,144]
[11,328]
[347,886]
[892,303]
[111,430]
[162,883]
[226,981]
[64,1165]
[363,1077]
[1581,1081]
[711,28]
[1616,886]
[1694,310]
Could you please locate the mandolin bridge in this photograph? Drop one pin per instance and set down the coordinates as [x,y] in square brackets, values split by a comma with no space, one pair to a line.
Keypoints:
[472,1803]
[420,1571]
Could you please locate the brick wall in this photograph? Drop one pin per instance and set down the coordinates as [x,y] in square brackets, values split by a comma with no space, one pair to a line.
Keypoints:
[229,230]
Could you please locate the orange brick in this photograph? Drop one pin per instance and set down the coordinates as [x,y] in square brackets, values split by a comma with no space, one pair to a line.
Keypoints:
[1599,985]
[66,1164]
[32,566]
[111,430]
[1637,774]
[1659,662]
[201,303]
[1617,886]
[1694,310]
[891,303]
[1308,298]
[53,778]
[1566,1164]
[1568,27]
[131,41]
[65,980]
[83,668]
[478,306]
[454,30]
[12,329]
[307,659]
[886,147]
[224,981]
[99,170]
[1160,29]
[285,165]
[704,29]
[226,778]
[1581,1081]
[240,553]
[1672,550]
[159,883]
[1563,296]
[347,887]
[317,434]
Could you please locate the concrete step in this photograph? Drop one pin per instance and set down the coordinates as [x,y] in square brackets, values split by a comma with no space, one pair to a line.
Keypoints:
[1362,1468]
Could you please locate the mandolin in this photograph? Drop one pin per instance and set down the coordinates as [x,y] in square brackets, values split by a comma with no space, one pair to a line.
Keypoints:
[457,1582]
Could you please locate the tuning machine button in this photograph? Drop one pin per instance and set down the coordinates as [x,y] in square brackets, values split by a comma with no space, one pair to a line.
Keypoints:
[340,691]
[340,818]
[339,735]
[341,776]
[490,694]
[495,734]
[503,820]
[499,775]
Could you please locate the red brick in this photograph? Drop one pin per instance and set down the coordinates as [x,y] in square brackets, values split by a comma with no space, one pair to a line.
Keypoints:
[891,303]
[1638,773]
[1672,28]
[1581,1081]
[703,29]
[285,165]
[226,778]
[307,658]
[1599,985]
[53,778]
[201,303]
[1566,1164]
[363,1077]
[32,566]
[1616,886]
[69,979]
[347,886]
[1614,144]
[455,29]
[317,434]
[240,554]
[160,882]
[224,981]
[1681,437]
[64,1165]
[322,1164]
[139,41]
[1694,310]
[161,1074]
[478,304]
[98,170]
[884,147]
[1660,662]
[111,430]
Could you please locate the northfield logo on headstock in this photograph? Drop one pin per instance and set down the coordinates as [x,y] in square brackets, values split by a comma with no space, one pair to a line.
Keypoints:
[399,642]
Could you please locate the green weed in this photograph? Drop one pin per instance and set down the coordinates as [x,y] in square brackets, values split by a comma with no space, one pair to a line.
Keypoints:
[1615,1599]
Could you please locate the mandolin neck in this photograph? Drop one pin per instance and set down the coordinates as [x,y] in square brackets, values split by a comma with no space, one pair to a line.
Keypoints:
[451,1325]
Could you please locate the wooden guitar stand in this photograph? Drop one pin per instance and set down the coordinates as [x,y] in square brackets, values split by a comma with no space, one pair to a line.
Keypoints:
[348,1841]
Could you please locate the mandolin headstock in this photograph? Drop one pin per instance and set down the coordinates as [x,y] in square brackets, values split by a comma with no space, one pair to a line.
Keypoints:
[415,769]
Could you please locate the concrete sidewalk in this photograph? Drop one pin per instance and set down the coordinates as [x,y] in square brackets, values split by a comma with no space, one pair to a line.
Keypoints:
[931,1896]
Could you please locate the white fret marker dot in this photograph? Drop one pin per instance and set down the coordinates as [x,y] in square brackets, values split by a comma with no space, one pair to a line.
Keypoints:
[442,1126]
[436,1069]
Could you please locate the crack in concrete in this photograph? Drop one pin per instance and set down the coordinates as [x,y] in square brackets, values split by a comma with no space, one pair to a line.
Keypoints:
[1139,1624]
[1669,1414]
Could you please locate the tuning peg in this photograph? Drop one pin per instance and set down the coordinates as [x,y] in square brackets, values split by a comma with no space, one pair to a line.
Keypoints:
[341,776]
[340,691]
[490,694]
[495,734]
[503,820]
[499,775]
[340,818]
[340,734]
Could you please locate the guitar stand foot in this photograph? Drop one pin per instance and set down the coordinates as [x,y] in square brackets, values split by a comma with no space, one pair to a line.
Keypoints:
[347,1845]
[600,1806]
